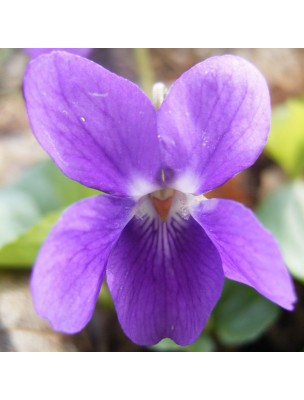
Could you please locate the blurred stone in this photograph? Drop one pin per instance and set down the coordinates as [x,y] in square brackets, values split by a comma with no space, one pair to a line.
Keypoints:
[283,68]
[18,147]
[21,330]
[270,180]
[106,334]
[18,151]
[119,61]
[12,66]
[13,113]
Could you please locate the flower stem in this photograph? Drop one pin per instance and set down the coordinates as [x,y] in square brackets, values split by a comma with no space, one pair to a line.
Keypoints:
[144,70]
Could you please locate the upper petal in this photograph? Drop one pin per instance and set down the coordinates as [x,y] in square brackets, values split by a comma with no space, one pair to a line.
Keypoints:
[99,128]
[249,252]
[213,123]
[70,267]
[165,279]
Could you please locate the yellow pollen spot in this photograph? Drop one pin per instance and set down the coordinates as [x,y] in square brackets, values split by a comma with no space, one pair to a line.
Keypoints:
[201,197]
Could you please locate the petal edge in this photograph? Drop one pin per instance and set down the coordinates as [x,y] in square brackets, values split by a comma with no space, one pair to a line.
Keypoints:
[249,252]
[214,123]
[99,128]
[165,279]
[70,266]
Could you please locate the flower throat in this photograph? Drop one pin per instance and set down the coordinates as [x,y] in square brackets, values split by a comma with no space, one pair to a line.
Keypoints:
[162,201]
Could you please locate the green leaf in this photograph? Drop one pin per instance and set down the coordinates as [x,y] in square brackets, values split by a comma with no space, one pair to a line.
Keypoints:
[242,314]
[50,189]
[40,191]
[23,251]
[203,344]
[286,140]
[283,214]
[18,211]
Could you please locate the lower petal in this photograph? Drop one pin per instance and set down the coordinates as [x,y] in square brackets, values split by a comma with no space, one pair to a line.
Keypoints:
[249,252]
[70,267]
[165,279]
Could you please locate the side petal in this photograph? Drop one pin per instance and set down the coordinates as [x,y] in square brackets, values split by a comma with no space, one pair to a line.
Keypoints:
[99,128]
[213,123]
[249,252]
[165,279]
[70,266]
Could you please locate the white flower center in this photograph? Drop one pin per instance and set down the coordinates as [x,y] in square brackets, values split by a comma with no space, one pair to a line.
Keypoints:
[164,204]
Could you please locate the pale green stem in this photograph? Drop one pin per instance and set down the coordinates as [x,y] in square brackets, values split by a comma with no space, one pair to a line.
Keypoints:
[144,70]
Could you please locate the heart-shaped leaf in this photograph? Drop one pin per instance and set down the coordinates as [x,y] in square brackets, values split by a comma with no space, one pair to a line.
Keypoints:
[23,251]
[242,314]
[41,191]
[283,214]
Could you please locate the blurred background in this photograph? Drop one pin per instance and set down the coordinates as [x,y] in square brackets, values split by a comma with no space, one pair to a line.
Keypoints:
[33,193]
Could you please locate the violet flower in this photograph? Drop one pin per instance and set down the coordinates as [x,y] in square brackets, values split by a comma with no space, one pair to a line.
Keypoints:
[162,246]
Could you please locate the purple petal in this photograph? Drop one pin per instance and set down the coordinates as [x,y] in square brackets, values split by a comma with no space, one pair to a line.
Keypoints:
[70,267]
[35,52]
[249,252]
[214,123]
[99,128]
[165,279]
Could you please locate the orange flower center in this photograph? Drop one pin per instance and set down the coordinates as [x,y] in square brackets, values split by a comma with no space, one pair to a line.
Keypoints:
[162,202]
